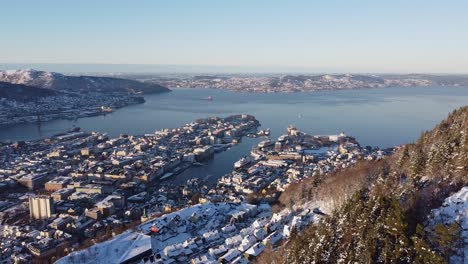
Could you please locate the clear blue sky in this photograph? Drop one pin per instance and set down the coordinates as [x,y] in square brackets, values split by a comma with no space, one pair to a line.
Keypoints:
[336,36]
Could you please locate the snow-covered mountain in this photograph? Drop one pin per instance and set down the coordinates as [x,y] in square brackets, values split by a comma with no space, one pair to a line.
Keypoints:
[57,81]
[31,77]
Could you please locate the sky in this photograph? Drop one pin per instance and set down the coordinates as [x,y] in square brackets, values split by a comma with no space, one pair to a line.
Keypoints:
[251,35]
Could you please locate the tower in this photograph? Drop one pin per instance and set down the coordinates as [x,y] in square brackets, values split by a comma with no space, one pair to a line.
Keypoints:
[41,207]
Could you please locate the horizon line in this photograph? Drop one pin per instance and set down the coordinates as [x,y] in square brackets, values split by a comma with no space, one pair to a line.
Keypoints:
[238,68]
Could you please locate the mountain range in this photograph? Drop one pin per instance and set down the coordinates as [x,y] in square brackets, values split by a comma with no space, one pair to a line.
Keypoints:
[303,83]
[78,84]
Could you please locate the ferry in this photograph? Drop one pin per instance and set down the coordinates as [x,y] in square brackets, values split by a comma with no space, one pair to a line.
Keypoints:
[266,143]
[106,109]
[283,138]
[241,163]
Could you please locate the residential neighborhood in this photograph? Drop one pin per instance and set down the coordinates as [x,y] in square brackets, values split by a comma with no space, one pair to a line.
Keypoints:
[80,187]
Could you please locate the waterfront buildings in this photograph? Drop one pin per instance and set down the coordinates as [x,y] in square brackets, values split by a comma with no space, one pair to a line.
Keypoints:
[100,186]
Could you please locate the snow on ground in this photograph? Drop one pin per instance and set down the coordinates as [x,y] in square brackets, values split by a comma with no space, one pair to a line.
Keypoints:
[199,209]
[455,208]
[122,247]
[203,232]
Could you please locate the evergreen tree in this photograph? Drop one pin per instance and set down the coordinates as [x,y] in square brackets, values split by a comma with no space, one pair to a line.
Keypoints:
[396,228]
[447,239]
[403,157]
[417,162]
[422,250]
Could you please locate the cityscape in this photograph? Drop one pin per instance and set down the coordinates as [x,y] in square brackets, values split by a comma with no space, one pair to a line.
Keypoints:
[222,132]
[82,186]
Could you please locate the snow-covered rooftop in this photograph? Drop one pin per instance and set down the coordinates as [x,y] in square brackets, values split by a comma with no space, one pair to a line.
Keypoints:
[117,250]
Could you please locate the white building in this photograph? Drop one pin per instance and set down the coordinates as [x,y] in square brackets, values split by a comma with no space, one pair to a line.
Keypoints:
[41,207]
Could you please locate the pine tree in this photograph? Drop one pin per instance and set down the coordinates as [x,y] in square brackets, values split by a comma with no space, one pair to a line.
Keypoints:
[417,162]
[434,159]
[404,156]
[422,250]
[447,239]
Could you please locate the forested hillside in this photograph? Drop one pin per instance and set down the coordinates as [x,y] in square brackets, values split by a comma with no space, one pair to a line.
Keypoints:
[381,208]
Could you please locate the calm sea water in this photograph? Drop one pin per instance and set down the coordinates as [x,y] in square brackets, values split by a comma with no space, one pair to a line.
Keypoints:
[383,117]
[378,117]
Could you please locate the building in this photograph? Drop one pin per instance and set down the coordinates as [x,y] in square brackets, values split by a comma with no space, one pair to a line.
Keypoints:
[57,183]
[93,213]
[62,194]
[44,248]
[33,181]
[61,223]
[41,207]
[90,189]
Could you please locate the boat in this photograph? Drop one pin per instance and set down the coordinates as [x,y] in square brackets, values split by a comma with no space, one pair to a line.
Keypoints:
[241,163]
[209,98]
[251,135]
[106,109]
[266,143]
[167,175]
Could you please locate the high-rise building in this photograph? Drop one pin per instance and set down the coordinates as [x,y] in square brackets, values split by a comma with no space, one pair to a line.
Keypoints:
[41,207]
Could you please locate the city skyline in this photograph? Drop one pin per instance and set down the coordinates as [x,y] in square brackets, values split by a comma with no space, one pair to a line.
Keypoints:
[338,36]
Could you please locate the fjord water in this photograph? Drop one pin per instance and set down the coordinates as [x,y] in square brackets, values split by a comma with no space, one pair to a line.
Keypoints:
[379,117]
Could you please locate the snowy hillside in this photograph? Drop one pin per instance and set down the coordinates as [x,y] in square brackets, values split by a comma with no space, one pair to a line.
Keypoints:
[57,81]
[117,250]
[31,77]
[455,209]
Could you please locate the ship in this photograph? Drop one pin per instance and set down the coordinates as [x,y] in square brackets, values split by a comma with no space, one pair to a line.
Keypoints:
[265,132]
[266,143]
[106,109]
[283,138]
[241,163]
[167,175]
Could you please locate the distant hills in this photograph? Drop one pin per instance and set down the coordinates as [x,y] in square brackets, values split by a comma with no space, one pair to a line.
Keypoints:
[77,84]
[30,96]
[304,82]
[21,92]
